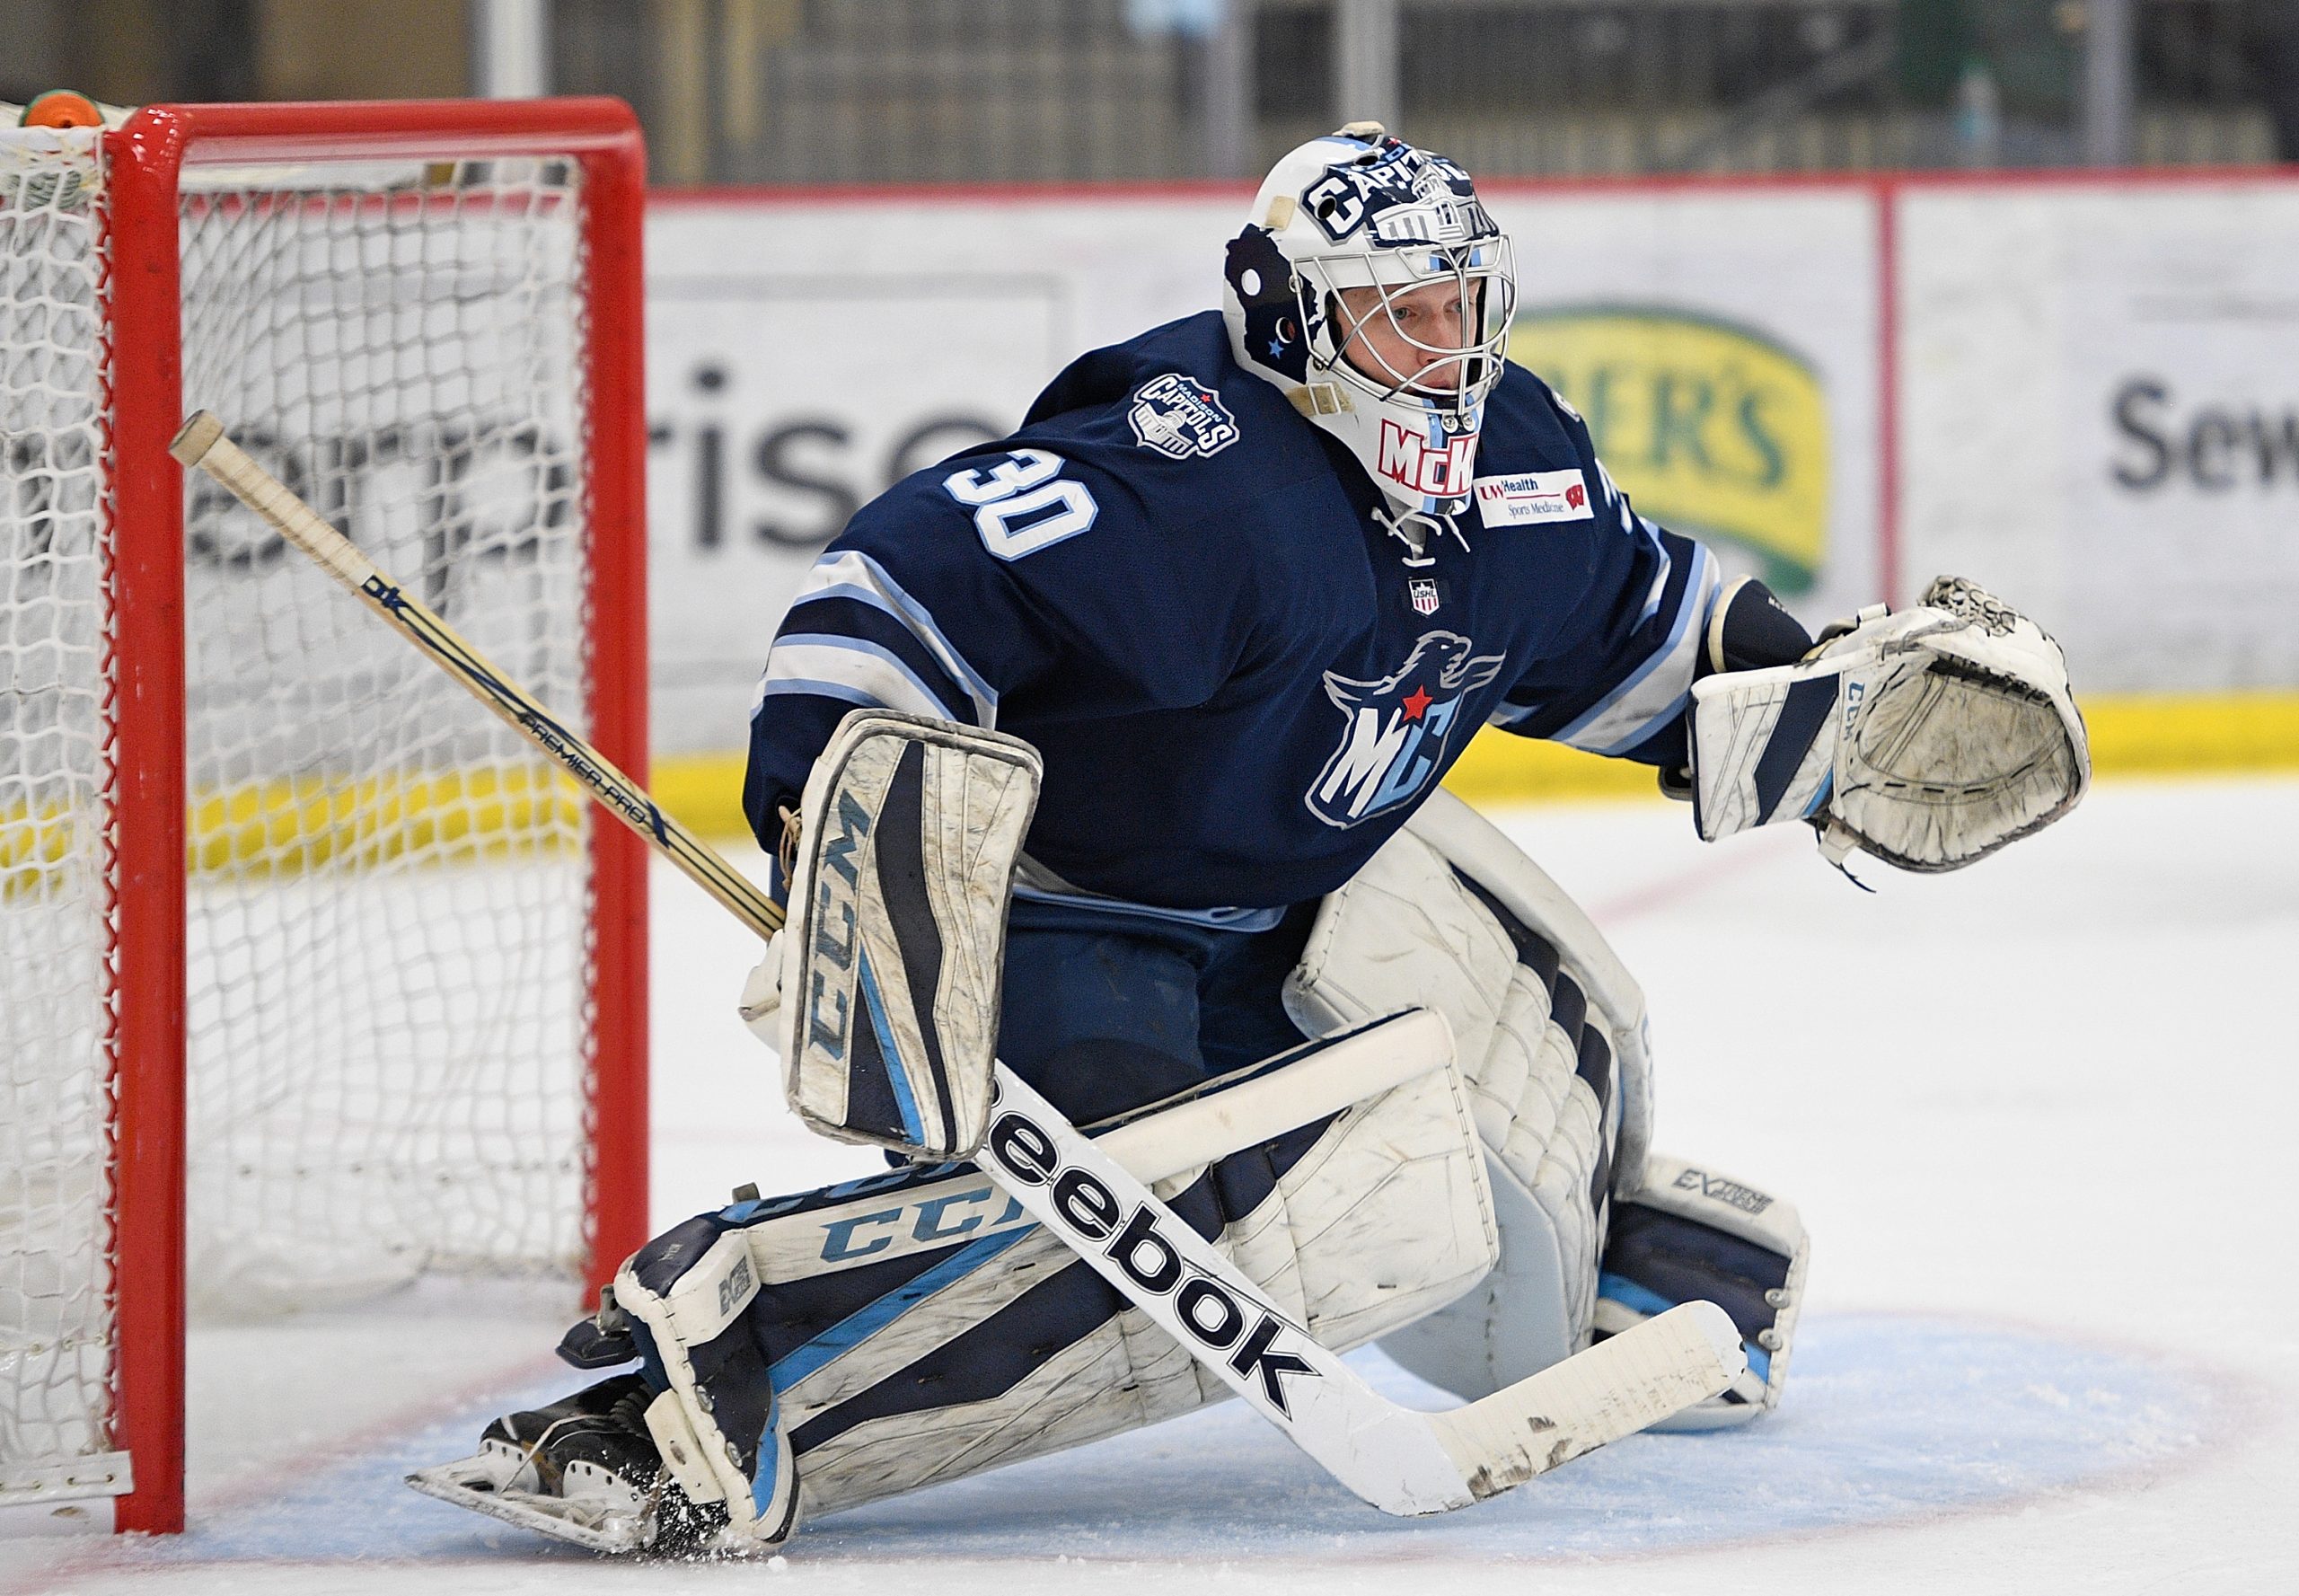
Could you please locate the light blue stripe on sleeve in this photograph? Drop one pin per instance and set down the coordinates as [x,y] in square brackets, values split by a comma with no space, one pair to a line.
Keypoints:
[851,574]
[1657,689]
[805,687]
[811,640]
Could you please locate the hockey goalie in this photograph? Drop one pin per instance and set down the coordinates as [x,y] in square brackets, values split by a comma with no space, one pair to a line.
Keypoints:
[1113,748]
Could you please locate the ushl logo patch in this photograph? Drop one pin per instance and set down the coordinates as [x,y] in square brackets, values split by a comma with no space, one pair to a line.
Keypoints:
[1422,595]
[1434,470]
[1397,728]
[1531,496]
[1180,416]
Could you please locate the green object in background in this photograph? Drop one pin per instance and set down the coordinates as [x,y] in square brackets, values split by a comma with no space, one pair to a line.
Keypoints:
[2023,45]
[1937,38]
[1713,429]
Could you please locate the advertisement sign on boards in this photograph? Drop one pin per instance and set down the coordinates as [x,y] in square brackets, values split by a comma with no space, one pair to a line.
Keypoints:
[804,355]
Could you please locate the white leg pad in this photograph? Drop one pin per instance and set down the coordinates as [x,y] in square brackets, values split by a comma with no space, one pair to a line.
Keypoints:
[1551,1037]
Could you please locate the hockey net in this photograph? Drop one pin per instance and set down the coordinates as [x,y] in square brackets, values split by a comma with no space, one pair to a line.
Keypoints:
[408,1002]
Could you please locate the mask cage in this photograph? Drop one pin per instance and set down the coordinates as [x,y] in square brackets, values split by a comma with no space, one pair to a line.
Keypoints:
[1457,375]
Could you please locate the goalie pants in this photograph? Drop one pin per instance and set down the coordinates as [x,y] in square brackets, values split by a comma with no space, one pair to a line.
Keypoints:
[1106,1012]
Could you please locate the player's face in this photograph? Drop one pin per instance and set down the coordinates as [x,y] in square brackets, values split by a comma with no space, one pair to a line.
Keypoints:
[1408,342]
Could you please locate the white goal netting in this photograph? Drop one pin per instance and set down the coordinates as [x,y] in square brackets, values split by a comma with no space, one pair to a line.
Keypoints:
[388,927]
[55,1324]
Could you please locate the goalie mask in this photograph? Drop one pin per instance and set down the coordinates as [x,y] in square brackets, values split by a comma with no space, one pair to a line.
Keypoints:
[1372,288]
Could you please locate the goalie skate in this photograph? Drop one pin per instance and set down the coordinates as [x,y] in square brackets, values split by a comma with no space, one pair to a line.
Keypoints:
[584,1469]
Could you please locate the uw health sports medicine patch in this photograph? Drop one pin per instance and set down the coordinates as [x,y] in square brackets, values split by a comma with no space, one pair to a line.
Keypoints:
[1532,497]
[1179,416]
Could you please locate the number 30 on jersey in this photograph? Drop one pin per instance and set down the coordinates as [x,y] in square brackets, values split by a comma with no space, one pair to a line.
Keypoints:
[1021,504]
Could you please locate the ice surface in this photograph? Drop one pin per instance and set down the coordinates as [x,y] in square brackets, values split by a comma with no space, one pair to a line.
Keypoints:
[2038,1117]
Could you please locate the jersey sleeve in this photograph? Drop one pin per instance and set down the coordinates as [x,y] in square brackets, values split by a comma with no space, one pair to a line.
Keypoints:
[1013,580]
[1623,685]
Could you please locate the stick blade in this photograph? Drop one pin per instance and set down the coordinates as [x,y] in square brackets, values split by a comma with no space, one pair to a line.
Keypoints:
[1616,1387]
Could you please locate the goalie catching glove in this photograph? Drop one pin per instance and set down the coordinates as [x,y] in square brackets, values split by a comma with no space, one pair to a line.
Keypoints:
[1928,738]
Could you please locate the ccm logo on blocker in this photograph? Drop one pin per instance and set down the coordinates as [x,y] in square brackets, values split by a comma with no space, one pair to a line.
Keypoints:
[1211,1311]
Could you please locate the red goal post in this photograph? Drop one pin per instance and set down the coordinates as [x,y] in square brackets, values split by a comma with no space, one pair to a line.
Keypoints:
[487,253]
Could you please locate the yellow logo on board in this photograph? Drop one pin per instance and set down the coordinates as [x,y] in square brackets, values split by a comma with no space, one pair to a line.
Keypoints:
[1713,429]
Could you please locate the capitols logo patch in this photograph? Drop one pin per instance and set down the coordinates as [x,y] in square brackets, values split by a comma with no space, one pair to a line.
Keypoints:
[1396,728]
[1180,416]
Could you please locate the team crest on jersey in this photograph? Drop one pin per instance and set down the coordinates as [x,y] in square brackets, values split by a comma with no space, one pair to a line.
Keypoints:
[1179,416]
[1396,729]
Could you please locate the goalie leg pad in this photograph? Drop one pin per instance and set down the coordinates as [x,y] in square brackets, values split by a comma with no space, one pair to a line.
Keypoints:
[1550,1033]
[1690,1233]
[1009,1347]
[891,963]
[916,1327]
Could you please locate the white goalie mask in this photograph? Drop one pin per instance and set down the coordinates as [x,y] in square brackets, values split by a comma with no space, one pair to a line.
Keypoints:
[1335,292]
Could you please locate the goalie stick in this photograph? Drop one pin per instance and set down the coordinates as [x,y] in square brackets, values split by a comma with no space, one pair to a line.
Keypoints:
[1399,1460]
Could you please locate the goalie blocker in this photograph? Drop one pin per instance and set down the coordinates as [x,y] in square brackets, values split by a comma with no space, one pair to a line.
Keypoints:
[893,959]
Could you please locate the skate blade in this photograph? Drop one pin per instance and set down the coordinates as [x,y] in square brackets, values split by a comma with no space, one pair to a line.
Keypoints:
[478,1484]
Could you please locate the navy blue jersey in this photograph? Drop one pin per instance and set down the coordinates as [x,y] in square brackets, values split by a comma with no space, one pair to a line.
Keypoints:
[1177,589]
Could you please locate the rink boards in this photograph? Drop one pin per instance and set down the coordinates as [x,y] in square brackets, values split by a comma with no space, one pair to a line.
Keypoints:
[2076,389]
